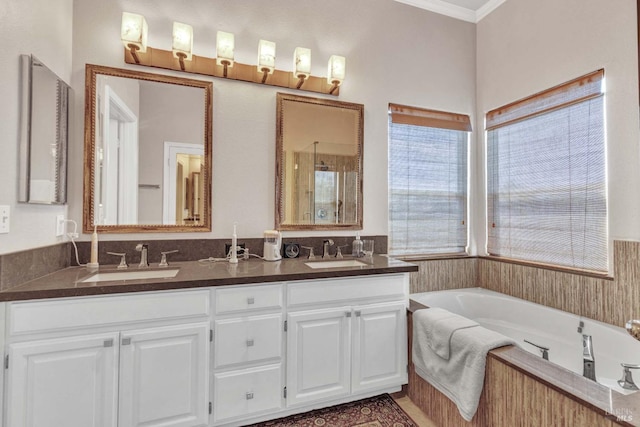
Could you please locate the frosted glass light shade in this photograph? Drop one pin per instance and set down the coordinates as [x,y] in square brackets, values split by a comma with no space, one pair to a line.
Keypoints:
[266,56]
[182,40]
[133,31]
[224,48]
[302,62]
[337,69]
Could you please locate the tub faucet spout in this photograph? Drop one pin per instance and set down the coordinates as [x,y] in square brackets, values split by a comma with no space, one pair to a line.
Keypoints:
[543,350]
[588,360]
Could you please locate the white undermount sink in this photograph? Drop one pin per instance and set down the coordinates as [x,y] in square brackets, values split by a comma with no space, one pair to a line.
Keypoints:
[132,275]
[335,264]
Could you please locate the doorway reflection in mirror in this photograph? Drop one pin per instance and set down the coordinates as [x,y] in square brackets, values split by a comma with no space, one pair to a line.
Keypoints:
[139,182]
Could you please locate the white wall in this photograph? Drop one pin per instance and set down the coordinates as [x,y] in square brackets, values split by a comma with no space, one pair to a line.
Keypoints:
[44,29]
[527,46]
[395,53]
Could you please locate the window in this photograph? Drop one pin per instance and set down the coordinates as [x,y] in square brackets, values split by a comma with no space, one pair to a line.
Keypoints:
[427,181]
[546,177]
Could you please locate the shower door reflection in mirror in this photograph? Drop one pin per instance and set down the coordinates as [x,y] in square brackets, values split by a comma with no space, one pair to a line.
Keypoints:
[325,189]
[319,164]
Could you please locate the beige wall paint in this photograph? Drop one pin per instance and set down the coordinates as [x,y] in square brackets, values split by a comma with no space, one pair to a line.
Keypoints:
[395,53]
[383,66]
[44,29]
[525,47]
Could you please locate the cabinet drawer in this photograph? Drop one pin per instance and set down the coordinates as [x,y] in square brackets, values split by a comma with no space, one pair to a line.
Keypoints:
[248,339]
[240,394]
[70,313]
[230,300]
[340,290]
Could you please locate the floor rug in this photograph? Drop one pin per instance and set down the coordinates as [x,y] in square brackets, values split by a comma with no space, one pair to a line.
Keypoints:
[378,411]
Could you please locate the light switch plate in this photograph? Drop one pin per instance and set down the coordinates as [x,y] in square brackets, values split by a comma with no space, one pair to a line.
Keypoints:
[5,217]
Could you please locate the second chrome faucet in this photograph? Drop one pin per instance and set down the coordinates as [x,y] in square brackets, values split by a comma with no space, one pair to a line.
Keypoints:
[325,248]
[143,248]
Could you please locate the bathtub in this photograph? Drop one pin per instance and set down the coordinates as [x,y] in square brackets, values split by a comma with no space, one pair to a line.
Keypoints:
[548,327]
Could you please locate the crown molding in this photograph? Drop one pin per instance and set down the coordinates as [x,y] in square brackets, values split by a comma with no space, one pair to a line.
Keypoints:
[443,8]
[455,11]
[488,7]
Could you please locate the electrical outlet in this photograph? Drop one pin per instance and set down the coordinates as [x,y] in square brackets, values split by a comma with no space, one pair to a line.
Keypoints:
[59,225]
[227,248]
[5,218]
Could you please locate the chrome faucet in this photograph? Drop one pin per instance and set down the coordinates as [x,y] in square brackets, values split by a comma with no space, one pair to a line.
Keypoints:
[543,350]
[123,259]
[626,382]
[325,248]
[588,360]
[143,248]
[311,254]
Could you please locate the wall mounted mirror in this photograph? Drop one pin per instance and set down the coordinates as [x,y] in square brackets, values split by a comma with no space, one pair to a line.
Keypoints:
[147,155]
[43,134]
[319,146]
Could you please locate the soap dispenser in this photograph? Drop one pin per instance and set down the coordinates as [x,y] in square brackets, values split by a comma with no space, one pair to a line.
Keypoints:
[356,247]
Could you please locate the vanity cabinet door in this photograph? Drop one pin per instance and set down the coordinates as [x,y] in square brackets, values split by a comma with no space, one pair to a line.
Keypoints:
[71,382]
[379,346]
[318,355]
[164,376]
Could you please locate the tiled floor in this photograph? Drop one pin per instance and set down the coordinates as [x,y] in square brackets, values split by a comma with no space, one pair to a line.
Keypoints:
[412,410]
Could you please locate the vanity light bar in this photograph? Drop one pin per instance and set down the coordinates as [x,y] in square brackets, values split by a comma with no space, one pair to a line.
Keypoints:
[180,58]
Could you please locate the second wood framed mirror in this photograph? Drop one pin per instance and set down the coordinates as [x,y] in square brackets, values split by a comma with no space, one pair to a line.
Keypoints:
[319,152]
[148,152]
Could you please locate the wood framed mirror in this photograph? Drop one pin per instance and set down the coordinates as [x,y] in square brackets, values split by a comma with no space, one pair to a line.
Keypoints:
[147,137]
[319,152]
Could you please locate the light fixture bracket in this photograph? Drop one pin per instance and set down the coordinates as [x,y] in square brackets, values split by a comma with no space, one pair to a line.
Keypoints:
[202,65]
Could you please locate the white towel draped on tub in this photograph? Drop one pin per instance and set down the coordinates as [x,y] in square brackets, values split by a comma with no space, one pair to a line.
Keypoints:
[461,376]
[439,325]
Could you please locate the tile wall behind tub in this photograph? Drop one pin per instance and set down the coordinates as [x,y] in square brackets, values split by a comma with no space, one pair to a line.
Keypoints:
[611,301]
[443,274]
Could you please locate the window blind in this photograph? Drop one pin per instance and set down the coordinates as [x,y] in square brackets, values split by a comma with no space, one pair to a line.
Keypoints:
[546,177]
[427,181]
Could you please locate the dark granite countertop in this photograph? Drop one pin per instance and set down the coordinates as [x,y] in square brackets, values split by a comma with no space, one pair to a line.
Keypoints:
[619,408]
[193,274]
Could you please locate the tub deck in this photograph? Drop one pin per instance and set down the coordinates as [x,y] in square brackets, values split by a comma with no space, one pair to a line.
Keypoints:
[523,389]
